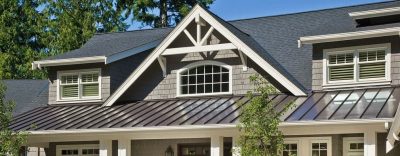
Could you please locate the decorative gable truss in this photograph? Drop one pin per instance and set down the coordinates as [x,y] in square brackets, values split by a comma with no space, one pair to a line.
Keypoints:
[192,35]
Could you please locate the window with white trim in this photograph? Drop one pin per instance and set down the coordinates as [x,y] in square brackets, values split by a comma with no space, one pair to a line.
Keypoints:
[79,85]
[204,79]
[319,149]
[290,149]
[357,65]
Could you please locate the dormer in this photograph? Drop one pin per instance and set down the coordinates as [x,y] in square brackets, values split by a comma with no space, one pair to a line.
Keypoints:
[376,17]
[359,59]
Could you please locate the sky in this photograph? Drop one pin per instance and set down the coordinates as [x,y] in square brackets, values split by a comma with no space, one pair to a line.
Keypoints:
[240,9]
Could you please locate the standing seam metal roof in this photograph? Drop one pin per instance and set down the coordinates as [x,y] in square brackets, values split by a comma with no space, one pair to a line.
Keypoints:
[319,106]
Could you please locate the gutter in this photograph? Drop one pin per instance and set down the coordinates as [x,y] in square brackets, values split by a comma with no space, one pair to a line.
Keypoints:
[70,61]
[349,36]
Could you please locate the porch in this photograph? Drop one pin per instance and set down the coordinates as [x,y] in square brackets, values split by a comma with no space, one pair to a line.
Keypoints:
[325,139]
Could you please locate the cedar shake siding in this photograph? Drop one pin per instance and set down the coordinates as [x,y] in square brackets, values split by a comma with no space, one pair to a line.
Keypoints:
[112,75]
[317,62]
[152,84]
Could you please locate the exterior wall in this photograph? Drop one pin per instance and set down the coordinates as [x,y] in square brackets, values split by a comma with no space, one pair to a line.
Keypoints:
[158,147]
[152,84]
[317,65]
[113,75]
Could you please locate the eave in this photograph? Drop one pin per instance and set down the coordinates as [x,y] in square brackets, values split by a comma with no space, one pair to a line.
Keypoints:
[70,61]
[349,36]
[375,13]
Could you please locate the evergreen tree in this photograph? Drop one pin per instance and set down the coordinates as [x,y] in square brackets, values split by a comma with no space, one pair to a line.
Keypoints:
[70,24]
[159,13]
[20,34]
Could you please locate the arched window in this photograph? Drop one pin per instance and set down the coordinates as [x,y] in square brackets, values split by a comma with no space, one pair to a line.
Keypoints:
[205,78]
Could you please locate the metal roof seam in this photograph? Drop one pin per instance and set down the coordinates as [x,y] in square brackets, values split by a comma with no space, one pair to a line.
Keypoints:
[68,124]
[240,106]
[186,100]
[305,113]
[358,100]
[369,104]
[197,113]
[233,103]
[330,101]
[334,112]
[112,113]
[50,121]
[209,111]
[132,121]
[202,103]
[380,110]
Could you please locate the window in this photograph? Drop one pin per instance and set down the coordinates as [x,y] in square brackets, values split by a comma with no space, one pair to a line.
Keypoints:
[290,149]
[353,146]
[77,85]
[204,79]
[78,150]
[357,65]
[319,149]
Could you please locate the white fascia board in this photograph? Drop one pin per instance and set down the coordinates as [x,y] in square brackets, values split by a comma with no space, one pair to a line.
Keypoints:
[69,61]
[375,13]
[130,52]
[197,10]
[210,127]
[349,35]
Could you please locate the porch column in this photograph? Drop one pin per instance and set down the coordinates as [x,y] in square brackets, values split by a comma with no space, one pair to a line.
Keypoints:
[235,146]
[105,148]
[370,143]
[124,147]
[217,146]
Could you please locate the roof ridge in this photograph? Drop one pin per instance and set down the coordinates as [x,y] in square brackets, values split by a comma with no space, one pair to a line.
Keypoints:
[311,11]
[148,29]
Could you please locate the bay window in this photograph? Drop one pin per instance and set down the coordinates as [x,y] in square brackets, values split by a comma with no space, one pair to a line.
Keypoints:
[357,65]
[79,85]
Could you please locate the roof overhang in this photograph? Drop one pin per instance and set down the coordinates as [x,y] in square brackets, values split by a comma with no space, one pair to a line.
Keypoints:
[96,59]
[70,61]
[209,126]
[349,36]
[375,13]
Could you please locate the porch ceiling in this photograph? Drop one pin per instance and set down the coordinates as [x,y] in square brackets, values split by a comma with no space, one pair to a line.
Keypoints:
[361,104]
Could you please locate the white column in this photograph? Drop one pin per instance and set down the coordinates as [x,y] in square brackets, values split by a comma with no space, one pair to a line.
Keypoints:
[124,147]
[235,146]
[105,148]
[370,143]
[217,146]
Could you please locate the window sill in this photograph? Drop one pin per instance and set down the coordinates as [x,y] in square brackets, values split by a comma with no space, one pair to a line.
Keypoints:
[356,84]
[205,94]
[64,101]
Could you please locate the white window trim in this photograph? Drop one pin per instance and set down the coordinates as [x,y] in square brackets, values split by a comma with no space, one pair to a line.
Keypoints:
[304,144]
[79,99]
[73,147]
[348,140]
[326,84]
[178,78]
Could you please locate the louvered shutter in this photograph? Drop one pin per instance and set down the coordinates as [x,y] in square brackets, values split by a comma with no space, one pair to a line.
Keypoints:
[341,67]
[372,64]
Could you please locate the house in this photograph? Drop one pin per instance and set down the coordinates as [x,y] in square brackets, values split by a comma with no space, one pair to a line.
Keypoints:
[174,91]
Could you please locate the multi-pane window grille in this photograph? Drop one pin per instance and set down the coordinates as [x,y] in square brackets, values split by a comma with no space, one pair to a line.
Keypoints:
[79,85]
[204,79]
[319,149]
[357,65]
[290,149]
[69,152]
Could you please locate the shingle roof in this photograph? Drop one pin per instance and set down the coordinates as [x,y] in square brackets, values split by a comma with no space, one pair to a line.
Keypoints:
[320,106]
[27,94]
[274,36]
[107,44]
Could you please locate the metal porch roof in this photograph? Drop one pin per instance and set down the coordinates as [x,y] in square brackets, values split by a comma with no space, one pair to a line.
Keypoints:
[318,106]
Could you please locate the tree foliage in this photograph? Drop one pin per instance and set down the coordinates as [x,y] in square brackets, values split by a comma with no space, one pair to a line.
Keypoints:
[69,24]
[260,135]
[20,27]
[159,13]
[10,141]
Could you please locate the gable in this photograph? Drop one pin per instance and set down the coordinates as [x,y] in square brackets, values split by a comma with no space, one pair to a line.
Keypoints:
[202,18]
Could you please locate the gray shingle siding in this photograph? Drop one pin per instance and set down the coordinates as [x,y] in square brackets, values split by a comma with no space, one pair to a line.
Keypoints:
[152,84]
[317,67]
